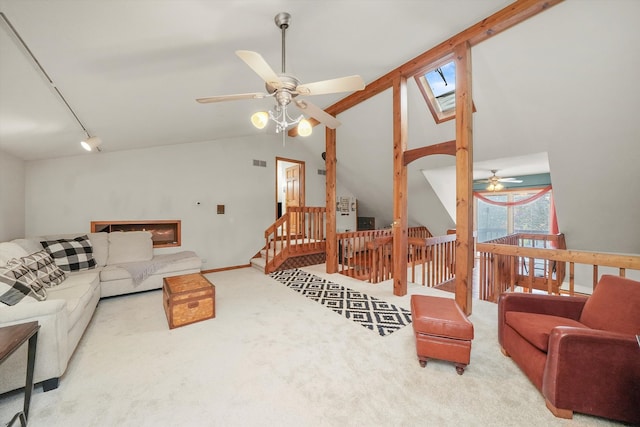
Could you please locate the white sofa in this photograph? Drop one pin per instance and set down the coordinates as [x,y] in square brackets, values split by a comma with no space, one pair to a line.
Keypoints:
[125,262]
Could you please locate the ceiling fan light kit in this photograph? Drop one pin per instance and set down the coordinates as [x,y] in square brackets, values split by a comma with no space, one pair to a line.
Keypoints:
[495,187]
[260,119]
[284,88]
[495,182]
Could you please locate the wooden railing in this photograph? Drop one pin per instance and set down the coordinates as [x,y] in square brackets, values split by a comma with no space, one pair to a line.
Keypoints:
[501,271]
[434,258]
[431,259]
[300,231]
[354,257]
[369,255]
[502,267]
[419,232]
[381,255]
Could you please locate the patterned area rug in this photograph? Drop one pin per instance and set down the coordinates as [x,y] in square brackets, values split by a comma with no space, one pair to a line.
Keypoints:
[370,312]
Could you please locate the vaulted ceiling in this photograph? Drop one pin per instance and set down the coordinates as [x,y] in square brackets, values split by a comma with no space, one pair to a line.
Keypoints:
[562,83]
[131,70]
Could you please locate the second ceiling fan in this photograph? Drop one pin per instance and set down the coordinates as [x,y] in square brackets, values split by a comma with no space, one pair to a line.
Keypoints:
[495,182]
[285,88]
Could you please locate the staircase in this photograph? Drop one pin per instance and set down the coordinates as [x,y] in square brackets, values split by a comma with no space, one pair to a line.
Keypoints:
[295,240]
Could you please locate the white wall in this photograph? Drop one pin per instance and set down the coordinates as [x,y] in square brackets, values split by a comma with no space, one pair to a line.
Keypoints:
[12,196]
[64,195]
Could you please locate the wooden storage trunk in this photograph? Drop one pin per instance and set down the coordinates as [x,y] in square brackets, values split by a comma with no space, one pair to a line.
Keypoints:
[187,299]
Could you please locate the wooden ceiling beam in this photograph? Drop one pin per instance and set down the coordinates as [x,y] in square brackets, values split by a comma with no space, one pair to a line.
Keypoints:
[505,18]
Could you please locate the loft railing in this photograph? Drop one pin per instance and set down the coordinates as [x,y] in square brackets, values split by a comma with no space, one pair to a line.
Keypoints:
[430,259]
[367,255]
[353,253]
[299,231]
[381,255]
[502,272]
[509,262]
[434,259]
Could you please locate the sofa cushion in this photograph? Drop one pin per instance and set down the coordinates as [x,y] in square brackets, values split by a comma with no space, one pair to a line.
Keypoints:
[17,282]
[439,316]
[10,250]
[536,328]
[614,305]
[76,290]
[30,244]
[130,246]
[113,272]
[100,244]
[71,254]
[45,269]
[175,262]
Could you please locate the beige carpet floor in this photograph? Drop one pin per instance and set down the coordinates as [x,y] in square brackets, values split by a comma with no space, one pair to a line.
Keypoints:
[272,357]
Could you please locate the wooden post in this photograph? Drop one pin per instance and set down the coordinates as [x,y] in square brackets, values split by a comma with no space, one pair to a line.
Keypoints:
[464,178]
[400,239]
[330,165]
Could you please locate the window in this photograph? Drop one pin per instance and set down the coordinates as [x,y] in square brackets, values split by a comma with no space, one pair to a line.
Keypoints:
[438,86]
[494,221]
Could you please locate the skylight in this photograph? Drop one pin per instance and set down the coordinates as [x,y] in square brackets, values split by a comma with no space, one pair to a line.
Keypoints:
[438,86]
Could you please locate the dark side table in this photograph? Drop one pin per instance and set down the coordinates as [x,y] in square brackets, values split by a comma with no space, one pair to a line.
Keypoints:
[11,338]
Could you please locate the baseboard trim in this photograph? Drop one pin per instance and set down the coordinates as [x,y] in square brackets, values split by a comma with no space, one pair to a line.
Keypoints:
[233,267]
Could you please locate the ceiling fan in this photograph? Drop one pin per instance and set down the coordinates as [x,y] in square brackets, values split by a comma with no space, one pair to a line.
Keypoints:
[495,182]
[285,88]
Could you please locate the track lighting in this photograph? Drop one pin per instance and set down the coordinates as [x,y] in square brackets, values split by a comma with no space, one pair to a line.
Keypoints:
[91,143]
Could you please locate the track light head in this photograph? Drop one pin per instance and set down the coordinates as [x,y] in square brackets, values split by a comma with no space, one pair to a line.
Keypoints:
[91,143]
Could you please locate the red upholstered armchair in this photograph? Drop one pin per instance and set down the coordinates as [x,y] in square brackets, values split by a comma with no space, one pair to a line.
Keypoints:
[581,353]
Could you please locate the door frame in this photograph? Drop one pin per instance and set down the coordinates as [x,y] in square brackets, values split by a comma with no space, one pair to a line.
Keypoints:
[279,184]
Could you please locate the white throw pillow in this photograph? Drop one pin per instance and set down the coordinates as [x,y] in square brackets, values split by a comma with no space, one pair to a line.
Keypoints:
[130,246]
[30,244]
[100,243]
[10,250]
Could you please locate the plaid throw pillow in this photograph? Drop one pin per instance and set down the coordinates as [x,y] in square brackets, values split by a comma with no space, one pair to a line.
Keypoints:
[43,266]
[17,283]
[71,254]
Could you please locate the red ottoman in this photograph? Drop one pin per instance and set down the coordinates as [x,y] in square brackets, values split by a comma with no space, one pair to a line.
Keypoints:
[442,331]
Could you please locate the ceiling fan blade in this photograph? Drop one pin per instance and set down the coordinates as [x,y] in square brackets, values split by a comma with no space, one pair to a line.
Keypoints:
[341,84]
[318,113]
[515,180]
[257,63]
[255,95]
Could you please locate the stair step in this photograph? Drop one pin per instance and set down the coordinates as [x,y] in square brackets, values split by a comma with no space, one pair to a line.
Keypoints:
[258,263]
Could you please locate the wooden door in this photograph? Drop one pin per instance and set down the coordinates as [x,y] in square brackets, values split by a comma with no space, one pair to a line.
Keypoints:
[292,195]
